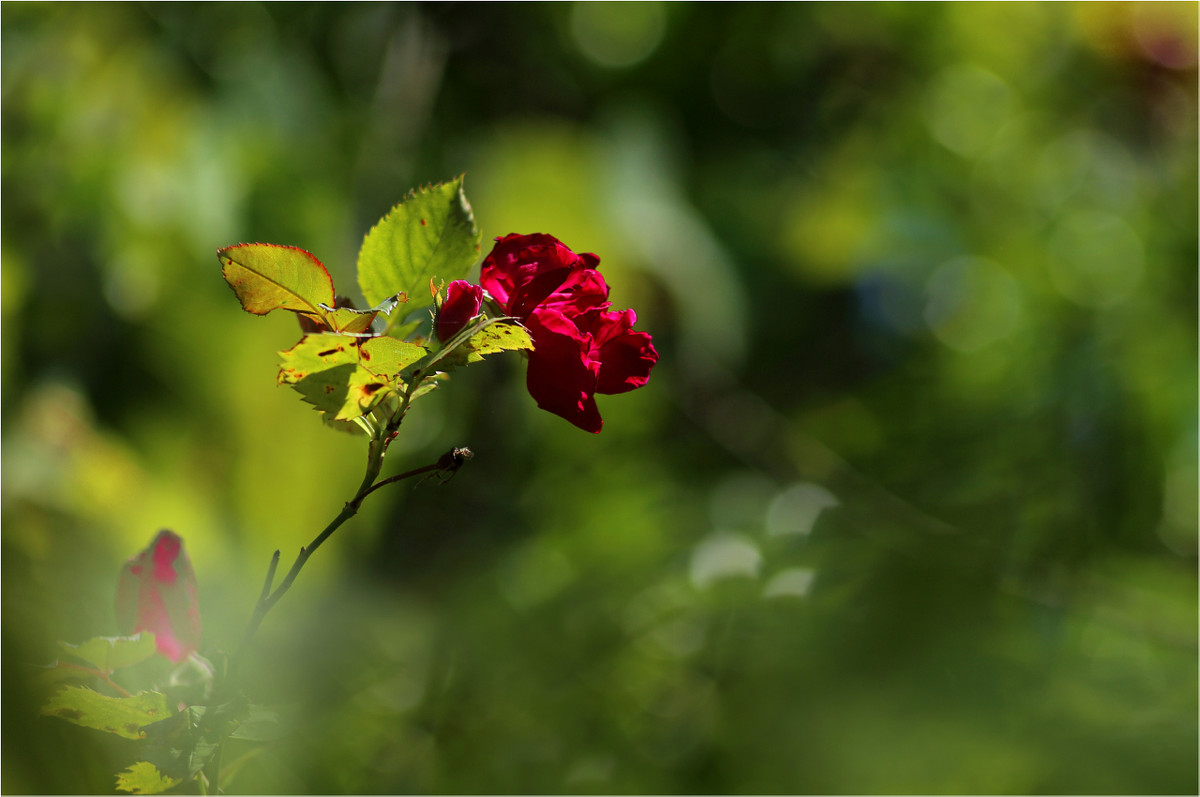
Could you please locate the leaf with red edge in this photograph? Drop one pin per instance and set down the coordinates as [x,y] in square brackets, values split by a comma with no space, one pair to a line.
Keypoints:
[269,277]
[157,593]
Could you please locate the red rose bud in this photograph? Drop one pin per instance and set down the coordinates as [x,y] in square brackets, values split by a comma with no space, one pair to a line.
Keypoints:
[463,301]
[157,593]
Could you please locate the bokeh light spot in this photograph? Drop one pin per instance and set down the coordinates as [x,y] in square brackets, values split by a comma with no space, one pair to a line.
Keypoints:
[722,556]
[617,35]
[966,106]
[1085,164]
[1096,259]
[1166,33]
[794,582]
[972,302]
[796,509]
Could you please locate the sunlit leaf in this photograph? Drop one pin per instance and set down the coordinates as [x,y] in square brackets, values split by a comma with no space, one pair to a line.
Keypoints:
[387,356]
[498,337]
[144,778]
[269,277]
[315,354]
[431,233]
[325,370]
[123,716]
[486,336]
[113,653]
[342,317]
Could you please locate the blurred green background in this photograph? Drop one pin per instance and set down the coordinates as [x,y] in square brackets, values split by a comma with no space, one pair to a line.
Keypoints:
[909,504]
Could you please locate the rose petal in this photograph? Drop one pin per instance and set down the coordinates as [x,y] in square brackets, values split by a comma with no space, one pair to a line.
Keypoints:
[625,356]
[561,377]
[523,272]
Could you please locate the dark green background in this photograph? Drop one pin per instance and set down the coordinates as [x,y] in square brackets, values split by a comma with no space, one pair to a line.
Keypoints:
[909,504]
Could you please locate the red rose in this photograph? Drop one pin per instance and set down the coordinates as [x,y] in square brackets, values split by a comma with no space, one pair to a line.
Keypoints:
[157,593]
[463,301]
[524,272]
[580,348]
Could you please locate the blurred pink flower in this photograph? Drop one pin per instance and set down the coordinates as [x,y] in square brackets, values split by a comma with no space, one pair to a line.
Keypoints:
[157,593]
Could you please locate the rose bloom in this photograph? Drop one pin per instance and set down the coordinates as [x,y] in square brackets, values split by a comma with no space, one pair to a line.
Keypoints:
[157,593]
[580,347]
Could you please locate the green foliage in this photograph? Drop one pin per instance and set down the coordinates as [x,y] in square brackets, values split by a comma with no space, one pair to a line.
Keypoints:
[124,716]
[268,277]
[351,321]
[181,745]
[431,234]
[386,357]
[324,370]
[259,724]
[486,336]
[346,372]
[343,377]
[109,654]
[858,242]
[144,778]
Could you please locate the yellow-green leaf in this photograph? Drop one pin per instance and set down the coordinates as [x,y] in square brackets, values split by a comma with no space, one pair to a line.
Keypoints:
[113,653]
[387,356]
[144,778]
[123,716]
[326,370]
[269,277]
[497,337]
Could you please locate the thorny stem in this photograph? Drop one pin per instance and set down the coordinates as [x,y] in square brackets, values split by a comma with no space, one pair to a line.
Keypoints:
[381,437]
[448,463]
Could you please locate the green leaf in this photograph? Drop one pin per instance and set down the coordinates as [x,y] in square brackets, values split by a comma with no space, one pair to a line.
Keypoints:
[485,336]
[259,725]
[269,277]
[357,322]
[387,357]
[496,337]
[181,745]
[113,653]
[123,716]
[144,778]
[325,369]
[315,354]
[431,233]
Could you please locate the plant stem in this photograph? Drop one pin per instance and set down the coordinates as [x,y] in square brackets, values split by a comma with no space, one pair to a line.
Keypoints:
[449,462]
